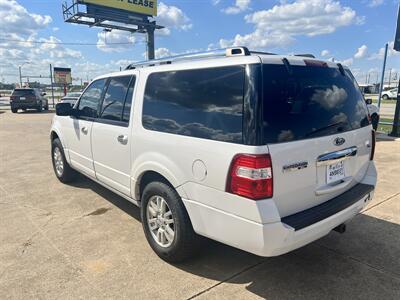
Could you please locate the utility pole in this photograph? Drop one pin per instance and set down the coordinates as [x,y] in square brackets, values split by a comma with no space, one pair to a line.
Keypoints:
[20,76]
[383,75]
[52,85]
[396,121]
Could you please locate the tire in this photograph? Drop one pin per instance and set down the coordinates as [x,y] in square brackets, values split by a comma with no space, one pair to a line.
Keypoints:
[39,108]
[46,108]
[66,173]
[185,241]
[385,97]
[14,110]
[375,121]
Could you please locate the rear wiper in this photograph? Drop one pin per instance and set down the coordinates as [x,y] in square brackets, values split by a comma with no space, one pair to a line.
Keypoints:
[325,128]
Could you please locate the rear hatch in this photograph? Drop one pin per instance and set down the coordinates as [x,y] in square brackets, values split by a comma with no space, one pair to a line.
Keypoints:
[23,95]
[316,125]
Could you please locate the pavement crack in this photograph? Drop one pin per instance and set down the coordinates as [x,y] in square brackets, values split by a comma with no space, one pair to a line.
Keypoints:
[379,203]
[227,279]
[376,268]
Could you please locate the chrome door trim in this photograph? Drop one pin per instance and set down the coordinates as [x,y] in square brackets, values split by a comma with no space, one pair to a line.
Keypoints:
[337,156]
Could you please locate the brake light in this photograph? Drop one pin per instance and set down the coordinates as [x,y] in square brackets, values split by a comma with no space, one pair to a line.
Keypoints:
[250,176]
[371,157]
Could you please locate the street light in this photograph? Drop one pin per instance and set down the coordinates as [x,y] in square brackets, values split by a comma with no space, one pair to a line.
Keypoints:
[20,71]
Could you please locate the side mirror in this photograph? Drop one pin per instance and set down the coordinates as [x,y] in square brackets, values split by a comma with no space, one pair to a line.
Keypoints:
[368,101]
[64,109]
[44,94]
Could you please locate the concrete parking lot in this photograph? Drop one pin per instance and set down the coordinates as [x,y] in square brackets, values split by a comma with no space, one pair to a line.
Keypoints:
[82,241]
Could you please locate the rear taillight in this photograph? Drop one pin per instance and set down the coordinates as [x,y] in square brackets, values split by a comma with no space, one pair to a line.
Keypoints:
[250,176]
[12,98]
[373,142]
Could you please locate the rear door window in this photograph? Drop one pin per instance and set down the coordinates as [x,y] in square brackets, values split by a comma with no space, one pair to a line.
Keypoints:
[303,102]
[203,103]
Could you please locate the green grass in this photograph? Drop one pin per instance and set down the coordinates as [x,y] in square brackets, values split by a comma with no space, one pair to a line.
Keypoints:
[385,128]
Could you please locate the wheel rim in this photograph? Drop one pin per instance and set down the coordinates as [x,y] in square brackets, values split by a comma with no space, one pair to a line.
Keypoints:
[160,221]
[58,161]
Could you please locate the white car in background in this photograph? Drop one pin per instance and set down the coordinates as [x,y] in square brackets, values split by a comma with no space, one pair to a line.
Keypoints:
[71,98]
[389,94]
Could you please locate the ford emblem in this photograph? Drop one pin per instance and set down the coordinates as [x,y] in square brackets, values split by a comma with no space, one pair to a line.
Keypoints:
[339,141]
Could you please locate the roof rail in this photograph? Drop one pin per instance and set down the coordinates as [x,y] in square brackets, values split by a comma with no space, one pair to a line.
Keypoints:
[306,55]
[264,53]
[233,51]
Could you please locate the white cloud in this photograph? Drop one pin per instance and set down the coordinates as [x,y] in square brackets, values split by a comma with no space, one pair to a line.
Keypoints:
[375,3]
[122,41]
[163,52]
[325,53]
[361,52]
[172,17]
[240,6]
[381,53]
[215,2]
[280,25]
[15,18]
[347,62]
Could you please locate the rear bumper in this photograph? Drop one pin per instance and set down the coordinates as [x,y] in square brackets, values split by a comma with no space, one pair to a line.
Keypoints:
[24,105]
[290,233]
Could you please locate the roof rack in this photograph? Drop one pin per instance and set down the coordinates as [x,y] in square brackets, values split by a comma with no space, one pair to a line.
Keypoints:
[306,55]
[262,53]
[227,52]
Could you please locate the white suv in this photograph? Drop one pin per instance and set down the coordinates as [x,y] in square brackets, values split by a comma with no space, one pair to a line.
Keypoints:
[262,152]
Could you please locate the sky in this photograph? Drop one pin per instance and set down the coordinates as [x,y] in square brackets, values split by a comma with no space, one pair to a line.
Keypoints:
[354,32]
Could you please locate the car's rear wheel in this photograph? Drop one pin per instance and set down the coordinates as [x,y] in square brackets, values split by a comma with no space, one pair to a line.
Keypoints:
[385,97]
[60,165]
[14,110]
[166,223]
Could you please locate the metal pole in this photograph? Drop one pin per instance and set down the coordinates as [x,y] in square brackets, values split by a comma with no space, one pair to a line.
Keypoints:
[52,85]
[383,75]
[20,76]
[150,43]
[396,121]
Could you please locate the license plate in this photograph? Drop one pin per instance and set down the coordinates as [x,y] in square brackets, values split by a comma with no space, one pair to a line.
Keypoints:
[335,172]
[22,98]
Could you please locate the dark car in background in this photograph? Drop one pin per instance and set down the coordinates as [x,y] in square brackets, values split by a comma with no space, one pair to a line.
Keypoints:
[28,98]
[71,98]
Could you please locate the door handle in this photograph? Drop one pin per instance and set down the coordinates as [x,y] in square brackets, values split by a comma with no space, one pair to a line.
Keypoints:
[84,130]
[123,139]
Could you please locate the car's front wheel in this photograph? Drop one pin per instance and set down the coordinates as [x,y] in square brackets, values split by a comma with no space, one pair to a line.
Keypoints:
[385,97]
[60,165]
[14,110]
[166,223]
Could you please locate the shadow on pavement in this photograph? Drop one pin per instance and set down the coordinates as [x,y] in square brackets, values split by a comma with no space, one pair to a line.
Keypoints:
[363,263]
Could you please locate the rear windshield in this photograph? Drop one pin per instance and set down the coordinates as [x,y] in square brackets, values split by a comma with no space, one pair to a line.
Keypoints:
[22,92]
[306,102]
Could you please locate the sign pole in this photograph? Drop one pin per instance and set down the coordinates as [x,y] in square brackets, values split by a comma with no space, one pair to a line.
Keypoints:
[396,122]
[150,43]
[383,76]
[52,85]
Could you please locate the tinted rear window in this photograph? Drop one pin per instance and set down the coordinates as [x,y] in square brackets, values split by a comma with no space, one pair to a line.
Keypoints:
[203,103]
[307,102]
[23,93]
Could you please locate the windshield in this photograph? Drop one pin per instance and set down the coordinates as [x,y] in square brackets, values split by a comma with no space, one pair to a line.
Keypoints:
[23,92]
[309,101]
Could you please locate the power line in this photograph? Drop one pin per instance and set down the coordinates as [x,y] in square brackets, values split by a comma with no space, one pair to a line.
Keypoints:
[66,43]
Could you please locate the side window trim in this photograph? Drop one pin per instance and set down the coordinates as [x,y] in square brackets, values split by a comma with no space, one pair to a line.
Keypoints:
[133,80]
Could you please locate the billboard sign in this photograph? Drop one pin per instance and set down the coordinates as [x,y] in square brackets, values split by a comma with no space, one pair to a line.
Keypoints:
[62,76]
[145,7]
